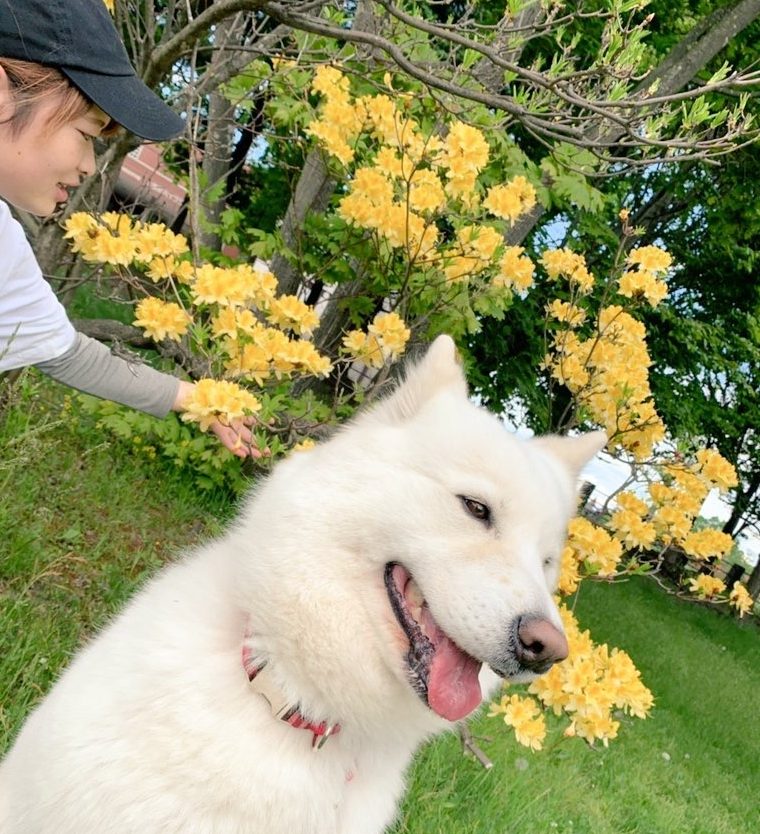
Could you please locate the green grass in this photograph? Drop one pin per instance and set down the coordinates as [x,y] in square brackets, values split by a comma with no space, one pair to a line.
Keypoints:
[691,768]
[84,522]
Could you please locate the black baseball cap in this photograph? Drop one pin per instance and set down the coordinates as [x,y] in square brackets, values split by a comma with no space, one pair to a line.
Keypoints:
[79,38]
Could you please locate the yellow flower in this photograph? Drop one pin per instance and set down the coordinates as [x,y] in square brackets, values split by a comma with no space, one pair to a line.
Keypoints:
[480,241]
[163,268]
[564,262]
[515,270]
[304,445]
[511,200]
[740,599]
[650,258]
[631,530]
[380,111]
[594,546]
[373,185]
[661,494]
[117,223]
[643,284]
[569,575]
[248,361]
[291,313]
[388,161]
[231,286]
[550,689]
[569,314]
[334,138]
[702,544]
[717,470]
[161,319]
[79,226]
[354,342]
[214,400]
[330,82]
[391,333]
[671,523]
[595,726]
[425,191]
[465,152]
[232,321]
[155,240]
[102,246]
[706,586]
[629,501]
[524,716]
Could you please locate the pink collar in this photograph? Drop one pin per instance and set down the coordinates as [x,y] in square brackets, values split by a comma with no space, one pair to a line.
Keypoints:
[261,679]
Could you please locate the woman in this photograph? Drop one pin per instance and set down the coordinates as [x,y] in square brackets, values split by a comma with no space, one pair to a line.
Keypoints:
[65,79]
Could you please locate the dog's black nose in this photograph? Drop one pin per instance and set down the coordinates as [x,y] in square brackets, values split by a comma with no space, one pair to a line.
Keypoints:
[539,644]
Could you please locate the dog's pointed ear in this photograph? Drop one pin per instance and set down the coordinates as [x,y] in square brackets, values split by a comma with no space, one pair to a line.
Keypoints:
[440,368]
[574,452]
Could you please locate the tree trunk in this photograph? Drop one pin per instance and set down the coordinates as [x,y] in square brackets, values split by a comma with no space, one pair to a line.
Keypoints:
[311,194]
[217,147]
[753,583]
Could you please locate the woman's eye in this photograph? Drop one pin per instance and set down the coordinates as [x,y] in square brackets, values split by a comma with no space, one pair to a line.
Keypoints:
[477,509]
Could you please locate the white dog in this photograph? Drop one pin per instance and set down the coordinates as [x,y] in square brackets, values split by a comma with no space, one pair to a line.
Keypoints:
[278,680]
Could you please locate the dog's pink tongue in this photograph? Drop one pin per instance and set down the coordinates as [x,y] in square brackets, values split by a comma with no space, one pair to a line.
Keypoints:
[453,685]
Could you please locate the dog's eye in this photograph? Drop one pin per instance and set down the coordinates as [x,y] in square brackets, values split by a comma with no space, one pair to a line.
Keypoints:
[477,509]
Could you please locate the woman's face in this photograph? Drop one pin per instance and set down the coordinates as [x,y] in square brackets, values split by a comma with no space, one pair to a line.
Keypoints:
[40,164]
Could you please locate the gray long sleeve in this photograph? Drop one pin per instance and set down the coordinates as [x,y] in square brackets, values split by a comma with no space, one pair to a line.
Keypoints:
[90,366]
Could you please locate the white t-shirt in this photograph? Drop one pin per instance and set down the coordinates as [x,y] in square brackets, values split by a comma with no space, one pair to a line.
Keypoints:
[34,326]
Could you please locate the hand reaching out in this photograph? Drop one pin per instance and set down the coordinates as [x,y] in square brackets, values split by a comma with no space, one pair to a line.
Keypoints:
[237,437]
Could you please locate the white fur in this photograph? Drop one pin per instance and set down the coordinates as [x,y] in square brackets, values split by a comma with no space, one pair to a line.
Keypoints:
[155,729]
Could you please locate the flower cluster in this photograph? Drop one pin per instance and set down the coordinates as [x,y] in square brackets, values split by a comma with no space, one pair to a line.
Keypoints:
[339,122]
[255,334]
[161,319]
[591,547]
[587,687]
[516,270]
[526,718]
[643,281]
[740,599]
[116,239]
[570,265]
[384,341]
[218,401]
[666,519]
[716,469]
[606,371]
[411,176]
[703,544]
[511,200]
[706,586]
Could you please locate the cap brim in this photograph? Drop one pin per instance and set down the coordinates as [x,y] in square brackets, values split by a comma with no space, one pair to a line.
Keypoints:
[129,103]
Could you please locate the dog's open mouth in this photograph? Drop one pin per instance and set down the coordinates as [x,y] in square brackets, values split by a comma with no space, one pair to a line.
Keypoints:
[445,677]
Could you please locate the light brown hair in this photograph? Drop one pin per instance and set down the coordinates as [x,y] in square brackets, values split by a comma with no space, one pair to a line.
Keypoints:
[31,84]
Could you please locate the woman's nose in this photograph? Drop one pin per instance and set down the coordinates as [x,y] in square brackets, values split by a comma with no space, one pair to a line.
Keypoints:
[87,163]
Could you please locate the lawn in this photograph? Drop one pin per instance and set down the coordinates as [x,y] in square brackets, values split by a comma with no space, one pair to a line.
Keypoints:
[85,521]
[691,768]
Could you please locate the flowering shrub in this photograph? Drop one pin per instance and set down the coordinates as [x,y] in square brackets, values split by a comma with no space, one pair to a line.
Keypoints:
[420,219]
